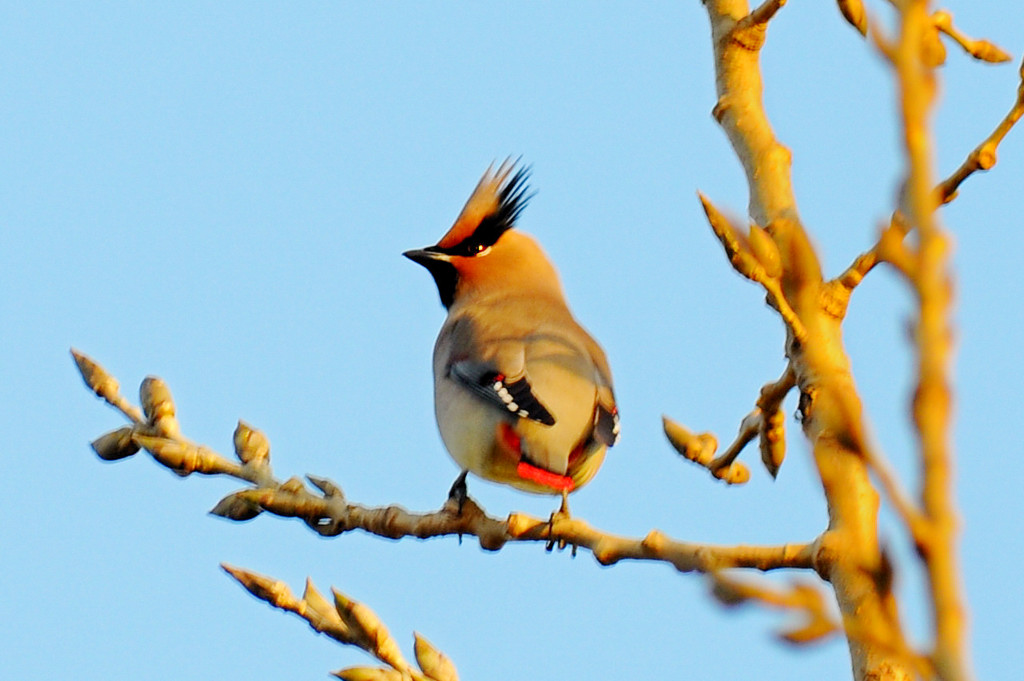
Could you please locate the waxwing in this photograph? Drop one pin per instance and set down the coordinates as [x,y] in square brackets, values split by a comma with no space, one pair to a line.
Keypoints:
[522,393]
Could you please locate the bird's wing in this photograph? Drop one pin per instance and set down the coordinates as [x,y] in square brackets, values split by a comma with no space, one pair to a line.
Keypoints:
[606,413]
[606,422]
[509,393]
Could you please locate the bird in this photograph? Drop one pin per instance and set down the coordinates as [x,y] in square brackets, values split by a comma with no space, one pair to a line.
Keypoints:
[522,393]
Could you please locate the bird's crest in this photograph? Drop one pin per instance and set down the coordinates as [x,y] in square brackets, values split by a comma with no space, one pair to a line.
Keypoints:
[491,210]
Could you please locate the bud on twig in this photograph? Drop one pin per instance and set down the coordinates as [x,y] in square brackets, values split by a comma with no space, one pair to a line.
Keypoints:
[117,444]
[853,12]
[96,377]
[773,441]
[237,506]
[369,674]
[273,591]
[180,457]
[367,628]
[316,603]
[158,405]
[329,489]
[697,448]
[251,445]
[433,662]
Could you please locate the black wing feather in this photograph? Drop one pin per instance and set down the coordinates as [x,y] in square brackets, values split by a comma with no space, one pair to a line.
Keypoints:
[606,425]
[514,396]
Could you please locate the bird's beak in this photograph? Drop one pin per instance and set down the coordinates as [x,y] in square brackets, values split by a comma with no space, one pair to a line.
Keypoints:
[426,256]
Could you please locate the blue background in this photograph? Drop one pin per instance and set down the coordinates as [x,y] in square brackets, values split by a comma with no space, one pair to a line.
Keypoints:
[219,193]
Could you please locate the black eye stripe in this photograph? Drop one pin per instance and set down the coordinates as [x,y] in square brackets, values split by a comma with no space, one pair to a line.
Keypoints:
[512,200]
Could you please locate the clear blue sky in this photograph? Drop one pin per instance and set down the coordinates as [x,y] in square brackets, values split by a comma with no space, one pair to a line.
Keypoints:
[219,193]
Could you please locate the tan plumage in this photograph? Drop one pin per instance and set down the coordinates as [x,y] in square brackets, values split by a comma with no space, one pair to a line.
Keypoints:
[523,394]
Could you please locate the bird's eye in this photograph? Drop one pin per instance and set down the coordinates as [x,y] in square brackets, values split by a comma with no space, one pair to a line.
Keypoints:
[480,249]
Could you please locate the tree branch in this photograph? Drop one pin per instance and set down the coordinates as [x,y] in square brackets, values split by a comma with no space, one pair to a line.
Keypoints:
[328,513]
[757,258]
[805,600]
[832,413]
[941,22]
[350,623]
[982,50]
[766,422]
[889,247]
[983,157]
[932,401]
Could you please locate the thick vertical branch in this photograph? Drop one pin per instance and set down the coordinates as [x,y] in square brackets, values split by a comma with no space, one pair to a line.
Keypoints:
[849,556]
[932,404]
[738,79]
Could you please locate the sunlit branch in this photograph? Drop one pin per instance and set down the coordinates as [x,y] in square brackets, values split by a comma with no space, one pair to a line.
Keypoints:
[766,422]
[932,398]
[983,157]
[329,513]
[807,601]
[763,14]
[832,415]
[350,623]
[982,50]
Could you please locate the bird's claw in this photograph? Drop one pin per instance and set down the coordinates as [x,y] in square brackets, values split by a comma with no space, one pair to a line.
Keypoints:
[561,514]
[459,493]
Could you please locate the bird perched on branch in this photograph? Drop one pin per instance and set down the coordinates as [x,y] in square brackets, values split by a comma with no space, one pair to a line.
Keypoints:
[522,393]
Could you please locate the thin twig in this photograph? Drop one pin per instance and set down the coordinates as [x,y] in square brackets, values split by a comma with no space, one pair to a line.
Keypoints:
[982,50]
[763,14]
[351,623]
[754,264]
[983,156]
[889,248]
[763,421]
[800,598]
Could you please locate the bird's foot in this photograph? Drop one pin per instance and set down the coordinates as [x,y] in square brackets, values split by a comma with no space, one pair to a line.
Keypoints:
[561,514]
[458,493]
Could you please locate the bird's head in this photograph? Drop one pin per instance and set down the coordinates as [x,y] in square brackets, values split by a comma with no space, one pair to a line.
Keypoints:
[481,251]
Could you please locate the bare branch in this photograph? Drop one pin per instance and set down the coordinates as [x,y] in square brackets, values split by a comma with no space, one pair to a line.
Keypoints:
[701,448]
[832,415]
[763,14]
[982,50]
[983,157]
[933,51]
[908,511]
[738,79]
[766,421]
[105,386]
[328,513]
[932,283]
[805,600]
[757,259]
[350,623]
[749,428]
[888,248]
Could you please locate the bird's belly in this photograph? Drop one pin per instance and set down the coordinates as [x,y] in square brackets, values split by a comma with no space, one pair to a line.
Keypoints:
[472,433]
